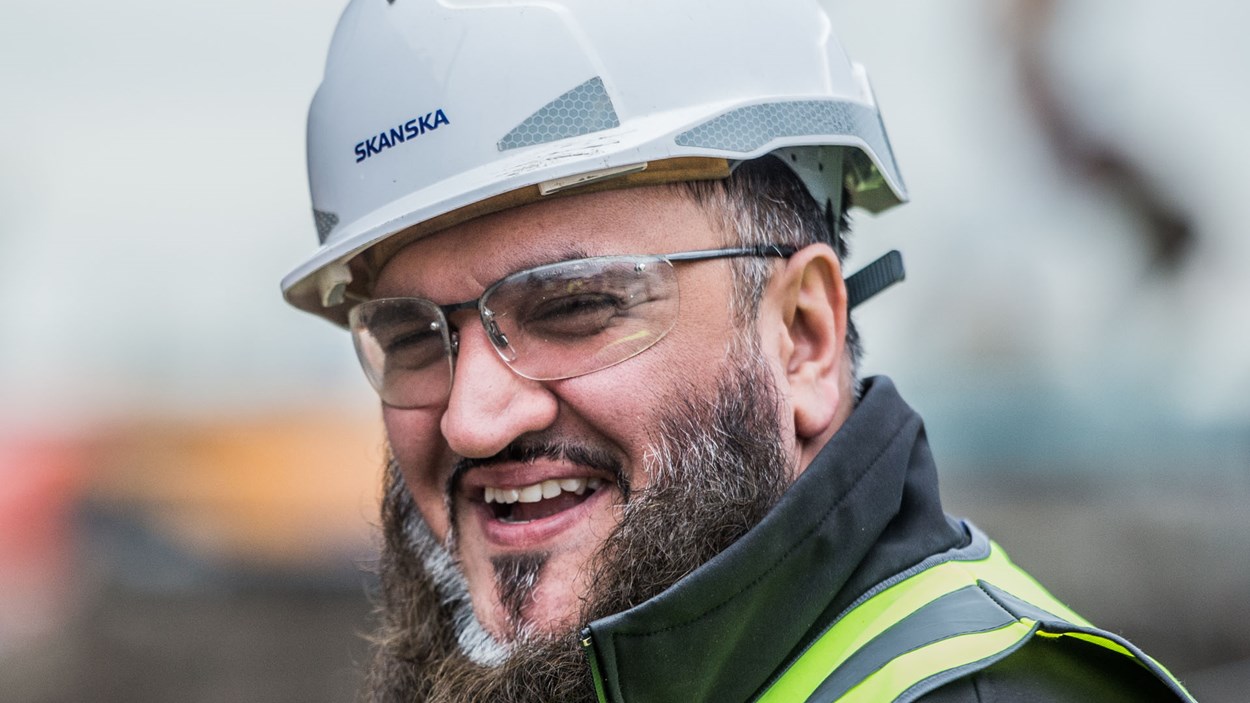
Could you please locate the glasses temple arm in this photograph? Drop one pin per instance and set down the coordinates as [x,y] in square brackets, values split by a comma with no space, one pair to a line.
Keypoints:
[777,250]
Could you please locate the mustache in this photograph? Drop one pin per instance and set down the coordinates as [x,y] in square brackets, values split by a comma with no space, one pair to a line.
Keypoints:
[531,449]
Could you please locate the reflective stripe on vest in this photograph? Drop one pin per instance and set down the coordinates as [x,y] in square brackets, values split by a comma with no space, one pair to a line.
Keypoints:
[935,626]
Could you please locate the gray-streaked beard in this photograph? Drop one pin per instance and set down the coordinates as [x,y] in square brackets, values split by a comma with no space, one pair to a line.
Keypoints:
[717,466]
[516,577]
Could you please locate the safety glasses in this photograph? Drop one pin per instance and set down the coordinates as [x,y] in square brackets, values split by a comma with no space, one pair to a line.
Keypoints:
[547,323]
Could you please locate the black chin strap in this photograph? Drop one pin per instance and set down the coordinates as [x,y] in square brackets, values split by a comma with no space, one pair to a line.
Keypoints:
[874,278]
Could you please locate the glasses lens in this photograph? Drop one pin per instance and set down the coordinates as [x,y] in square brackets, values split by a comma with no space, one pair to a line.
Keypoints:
[575,317]
[403,346]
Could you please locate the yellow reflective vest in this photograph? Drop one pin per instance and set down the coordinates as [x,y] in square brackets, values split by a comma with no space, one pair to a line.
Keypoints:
[933,624]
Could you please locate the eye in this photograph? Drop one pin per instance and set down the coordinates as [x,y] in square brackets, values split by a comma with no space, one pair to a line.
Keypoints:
[576,315]
[412,347]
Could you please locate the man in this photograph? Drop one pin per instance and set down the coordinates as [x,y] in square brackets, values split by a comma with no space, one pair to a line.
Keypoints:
[591,258]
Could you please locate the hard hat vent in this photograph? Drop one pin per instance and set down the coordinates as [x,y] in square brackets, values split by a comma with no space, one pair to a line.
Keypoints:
[582,110]
[326,222]
[751,127]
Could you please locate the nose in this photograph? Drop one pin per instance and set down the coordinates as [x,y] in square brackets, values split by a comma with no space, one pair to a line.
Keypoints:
[490,405]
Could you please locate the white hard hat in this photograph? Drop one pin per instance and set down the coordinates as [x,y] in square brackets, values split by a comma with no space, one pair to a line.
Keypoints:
[432,112]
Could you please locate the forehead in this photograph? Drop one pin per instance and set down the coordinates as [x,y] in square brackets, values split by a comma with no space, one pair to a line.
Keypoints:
[464,259]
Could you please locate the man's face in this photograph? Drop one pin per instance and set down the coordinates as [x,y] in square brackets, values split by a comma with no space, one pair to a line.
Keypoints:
[526,563]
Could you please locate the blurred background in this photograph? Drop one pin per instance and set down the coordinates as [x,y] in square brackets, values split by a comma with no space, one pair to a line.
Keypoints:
[188,468]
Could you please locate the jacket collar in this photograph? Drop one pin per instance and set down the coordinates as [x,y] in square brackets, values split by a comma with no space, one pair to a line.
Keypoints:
[865,508]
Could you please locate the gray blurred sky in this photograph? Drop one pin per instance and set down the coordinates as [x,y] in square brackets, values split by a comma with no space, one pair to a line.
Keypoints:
[152,194]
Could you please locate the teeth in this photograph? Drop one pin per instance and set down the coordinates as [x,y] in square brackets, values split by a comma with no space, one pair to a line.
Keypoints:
[542,490]
[551,489]
[532,494]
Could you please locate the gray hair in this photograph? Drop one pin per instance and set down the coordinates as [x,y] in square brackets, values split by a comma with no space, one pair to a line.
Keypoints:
[764,202]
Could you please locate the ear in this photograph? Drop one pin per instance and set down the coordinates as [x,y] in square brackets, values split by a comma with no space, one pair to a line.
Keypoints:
[812,315]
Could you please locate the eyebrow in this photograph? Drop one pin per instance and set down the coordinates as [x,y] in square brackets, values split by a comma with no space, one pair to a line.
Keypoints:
[567,253]
[528,260]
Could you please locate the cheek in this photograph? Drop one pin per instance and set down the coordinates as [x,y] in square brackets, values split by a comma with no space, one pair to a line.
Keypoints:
[423,459]
[627,403]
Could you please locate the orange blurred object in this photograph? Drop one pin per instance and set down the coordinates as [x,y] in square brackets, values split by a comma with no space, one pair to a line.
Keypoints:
[280,492]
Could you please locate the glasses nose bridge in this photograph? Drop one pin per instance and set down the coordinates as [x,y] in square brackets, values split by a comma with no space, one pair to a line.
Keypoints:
[486,318]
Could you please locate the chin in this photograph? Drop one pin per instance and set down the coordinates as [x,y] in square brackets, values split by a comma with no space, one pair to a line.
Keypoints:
[535,595]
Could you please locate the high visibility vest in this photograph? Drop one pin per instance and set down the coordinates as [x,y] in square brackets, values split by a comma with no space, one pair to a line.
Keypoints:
[928,627]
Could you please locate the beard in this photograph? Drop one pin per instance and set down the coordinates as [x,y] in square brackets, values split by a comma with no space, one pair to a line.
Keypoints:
[717,465]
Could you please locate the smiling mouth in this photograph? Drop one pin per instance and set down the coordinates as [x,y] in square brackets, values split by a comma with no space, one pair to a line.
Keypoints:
[539,500]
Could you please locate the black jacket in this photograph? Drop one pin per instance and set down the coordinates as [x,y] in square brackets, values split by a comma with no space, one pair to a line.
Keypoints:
[865,509]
